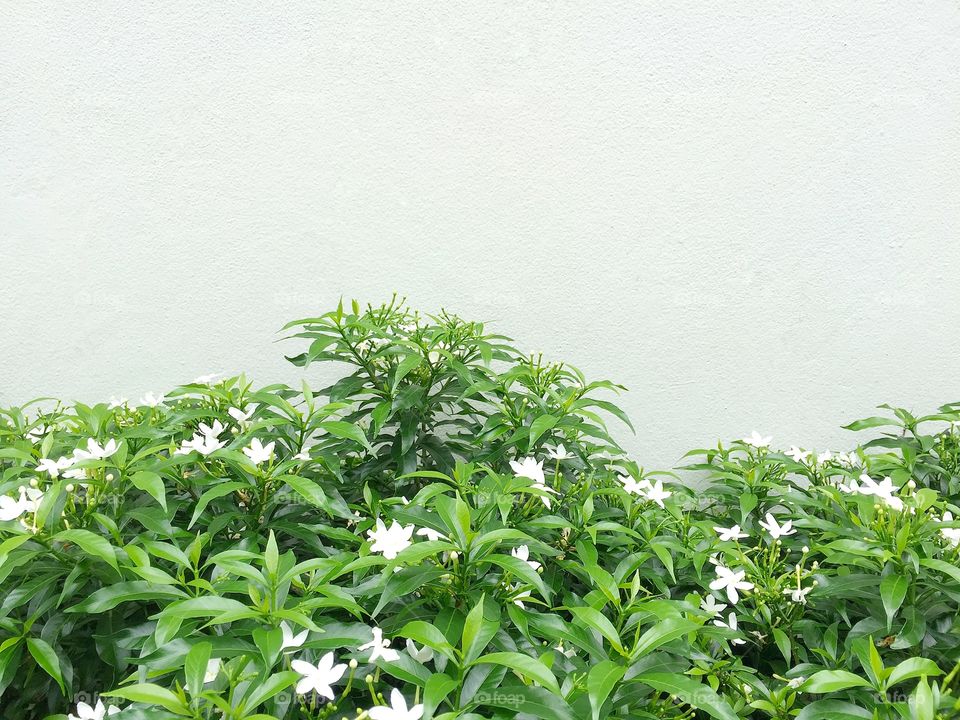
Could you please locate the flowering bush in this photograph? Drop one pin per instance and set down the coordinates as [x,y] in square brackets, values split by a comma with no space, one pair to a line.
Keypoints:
[450,531]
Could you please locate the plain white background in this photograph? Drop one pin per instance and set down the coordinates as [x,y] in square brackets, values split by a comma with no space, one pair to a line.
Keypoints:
[747,212]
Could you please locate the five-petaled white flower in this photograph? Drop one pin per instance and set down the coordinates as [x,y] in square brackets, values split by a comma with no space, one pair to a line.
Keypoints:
[528,468]
[116,402]
[797,455]
[208,379]
[97,712]
[421,655]
[634,487]
[258,452]
[151,400]
[289,639]
[397,710]
[732,581]
[732,533]
[798,594]
[824,457]
[656,493]
[28,501]
[390,541]
[204,442]
[522,552]
[757,440]
[559,452]
[380,647]
[96,451]
[777,531]
[303,456]
[319,677]
[710,605]
[240,417]
[730,624]
[53,467]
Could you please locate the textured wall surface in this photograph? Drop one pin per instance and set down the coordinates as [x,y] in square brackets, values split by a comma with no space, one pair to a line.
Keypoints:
[746,212]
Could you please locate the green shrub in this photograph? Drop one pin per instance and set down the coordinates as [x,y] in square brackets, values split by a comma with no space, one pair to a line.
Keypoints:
[451,531]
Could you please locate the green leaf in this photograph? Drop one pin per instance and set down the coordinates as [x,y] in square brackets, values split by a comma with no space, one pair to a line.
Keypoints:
[217,491]
[529,667]
[921,702]
[109,596]
[912,668]
[151,483]
[426,634]
[833,710]
[195,666]
[663,632]
[600,682]
[347,431]
[91,544]
[46,658]
[151,695]
[477,632]
[517,698]
[828,681]
[539,426]
[893,589]
[693,693]
[260,692]
[598,621]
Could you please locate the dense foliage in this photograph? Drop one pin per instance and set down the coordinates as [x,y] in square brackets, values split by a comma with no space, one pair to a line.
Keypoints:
[451,531]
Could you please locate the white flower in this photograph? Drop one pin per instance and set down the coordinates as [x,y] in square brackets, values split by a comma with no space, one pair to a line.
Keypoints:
[951,535]
[528,468]
[559,452]
[523,553]
[797,455]
[240,417]
[116,402]
[95,451]
[731,624]
[798,595]
[289,639]
[732,581]
[319,677]
[204,442]
[796,682]
[884,491]
[390,542]
[757,440]
[98,712]
[35,435]
[53,467]
[657,494]
[10,509]
[212,431]
[151,400]
[30,499]
[710,605]
[775,530]
[824,457]
[303,455]
[430,534]
[397,710]
[566,652]
[380,647]
[634,487]
[730,533]
[258,452]
[209,379]
[421,655]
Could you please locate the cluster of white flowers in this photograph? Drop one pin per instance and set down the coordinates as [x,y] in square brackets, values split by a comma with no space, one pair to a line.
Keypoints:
[950,535]
[28,502]
[885,491]
[654,492]
[206,441]
[64,465]
[321,677]
[809,458]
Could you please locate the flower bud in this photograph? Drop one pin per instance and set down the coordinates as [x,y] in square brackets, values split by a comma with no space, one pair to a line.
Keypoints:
[805,549]
[69,488]
[34,482]
[353,664]
[110,476]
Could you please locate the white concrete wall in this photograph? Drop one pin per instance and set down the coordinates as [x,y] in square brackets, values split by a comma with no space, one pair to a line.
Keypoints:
[747,212]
